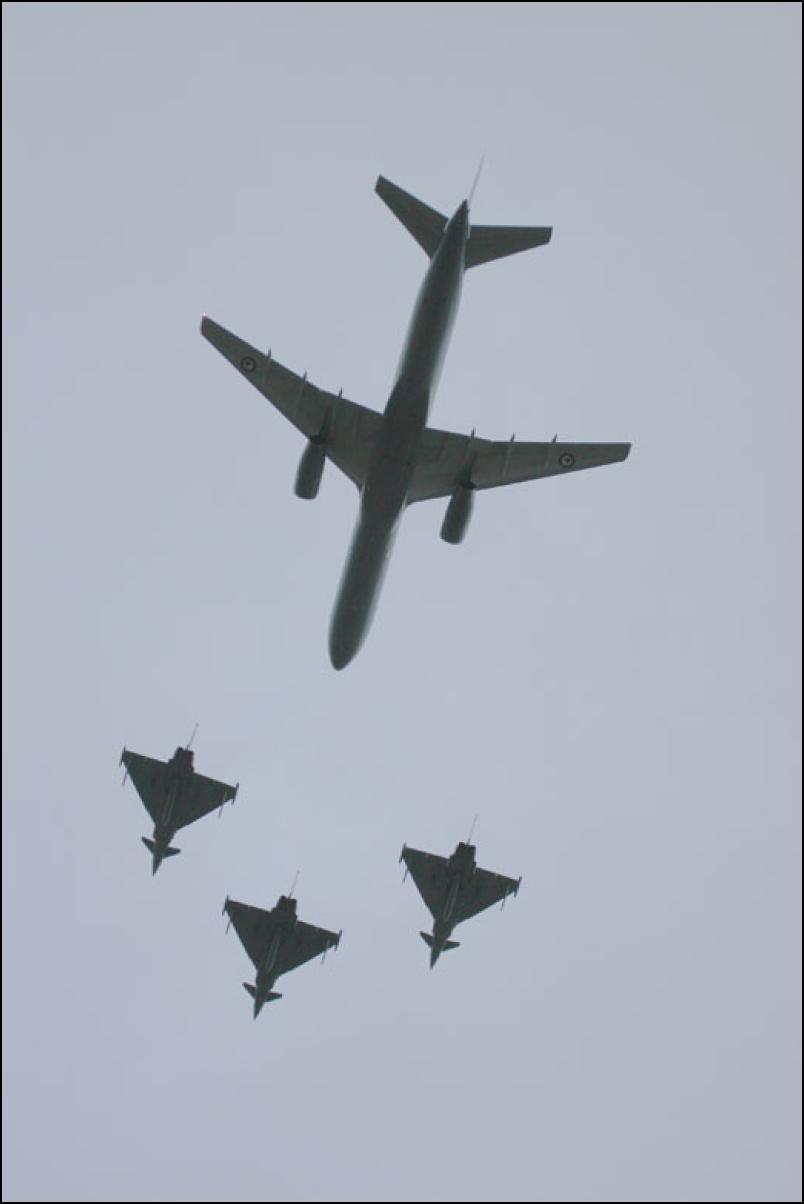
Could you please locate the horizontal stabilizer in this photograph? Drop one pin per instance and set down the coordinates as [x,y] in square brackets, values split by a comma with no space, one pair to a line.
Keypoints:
[495,242]
[428,940]
[151,847]
[425,224]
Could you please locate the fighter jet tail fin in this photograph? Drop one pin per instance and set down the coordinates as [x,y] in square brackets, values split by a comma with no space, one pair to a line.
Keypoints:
[495,242]
[428,940]
[425,224]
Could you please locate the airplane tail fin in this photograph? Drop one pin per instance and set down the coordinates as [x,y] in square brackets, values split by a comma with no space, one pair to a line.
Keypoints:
[485,242]
[428,940]
[425,224]
[495,242]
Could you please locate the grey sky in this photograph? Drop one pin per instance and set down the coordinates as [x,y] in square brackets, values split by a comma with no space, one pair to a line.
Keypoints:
[606,670]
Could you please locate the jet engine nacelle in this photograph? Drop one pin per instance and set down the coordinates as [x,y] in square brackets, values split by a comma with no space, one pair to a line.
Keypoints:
[311,466]
[459,511]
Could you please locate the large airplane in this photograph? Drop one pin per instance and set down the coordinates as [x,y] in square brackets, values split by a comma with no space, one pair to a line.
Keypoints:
[454,889]
[174,795]
[277,942]
[395,458]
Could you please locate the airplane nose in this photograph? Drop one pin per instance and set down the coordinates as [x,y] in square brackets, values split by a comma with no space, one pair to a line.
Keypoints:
[340,654]
[344,642]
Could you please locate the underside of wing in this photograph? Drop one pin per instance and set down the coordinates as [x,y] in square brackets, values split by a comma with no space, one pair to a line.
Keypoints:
[348,431]
[254,926]
[201,796]
[428,871]
[306,942]
[483,890]
[149,777]
[445,460]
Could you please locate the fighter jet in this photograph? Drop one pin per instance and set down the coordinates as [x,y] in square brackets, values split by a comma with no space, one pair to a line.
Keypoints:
[395,458]
[454,889]
[174,796]
[276,941]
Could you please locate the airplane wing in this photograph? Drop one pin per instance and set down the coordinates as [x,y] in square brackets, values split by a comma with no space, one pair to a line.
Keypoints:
[305,942]
[351,430]
[254,927]
[484,890]
[150,778]
[444,460]
[200,796]
[428,871]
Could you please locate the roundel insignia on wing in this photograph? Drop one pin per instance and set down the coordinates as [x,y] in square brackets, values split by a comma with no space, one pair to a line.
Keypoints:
[566,459]
[248,363]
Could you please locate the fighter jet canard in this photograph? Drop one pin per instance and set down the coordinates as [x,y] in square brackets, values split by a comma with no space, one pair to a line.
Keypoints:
[454,889]
[395,458]
[174,796]
[277,942]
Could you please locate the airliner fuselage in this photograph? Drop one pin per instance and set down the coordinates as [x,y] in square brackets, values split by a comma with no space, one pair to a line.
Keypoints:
[384,494]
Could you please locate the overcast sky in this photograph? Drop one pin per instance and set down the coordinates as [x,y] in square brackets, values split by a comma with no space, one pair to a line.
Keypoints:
[606,671]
